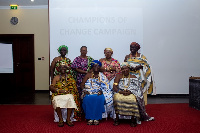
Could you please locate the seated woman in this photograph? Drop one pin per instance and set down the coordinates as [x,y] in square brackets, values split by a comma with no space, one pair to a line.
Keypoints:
[128,101]
[95,87]
[65,95]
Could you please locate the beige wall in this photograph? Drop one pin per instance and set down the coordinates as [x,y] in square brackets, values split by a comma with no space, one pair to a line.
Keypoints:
[31,21]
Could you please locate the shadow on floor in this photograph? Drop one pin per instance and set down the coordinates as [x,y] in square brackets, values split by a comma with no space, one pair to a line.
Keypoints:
[43,98]
[26,97]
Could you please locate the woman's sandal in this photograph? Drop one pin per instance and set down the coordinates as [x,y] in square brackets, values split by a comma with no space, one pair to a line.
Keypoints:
[60,123]
[96,122]
[90,122]
[133,123]
[116,122]
[69,123]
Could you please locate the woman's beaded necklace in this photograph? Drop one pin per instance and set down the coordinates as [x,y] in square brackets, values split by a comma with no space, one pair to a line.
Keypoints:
[126,86]
[96,78]
[62,58]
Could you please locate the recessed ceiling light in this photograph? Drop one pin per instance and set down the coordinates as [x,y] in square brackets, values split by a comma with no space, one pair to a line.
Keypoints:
[32,0]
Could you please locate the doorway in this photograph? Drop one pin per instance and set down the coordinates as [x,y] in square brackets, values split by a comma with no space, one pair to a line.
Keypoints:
[23,76]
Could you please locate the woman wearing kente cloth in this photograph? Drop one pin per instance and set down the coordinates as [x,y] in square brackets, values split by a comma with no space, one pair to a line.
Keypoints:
[129,101]
[140,68]
[54,69]
[95,87]
[82,66]
[65,95]
[110,68]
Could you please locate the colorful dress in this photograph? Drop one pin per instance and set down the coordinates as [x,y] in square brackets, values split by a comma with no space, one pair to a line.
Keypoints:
[113,63]
[83,64]
[93,104]
[143,75]
[68,71]
[132,104]
[69,84]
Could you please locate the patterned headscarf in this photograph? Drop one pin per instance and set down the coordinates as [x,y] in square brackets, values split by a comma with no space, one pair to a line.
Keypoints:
[95,62]
[62,46]
[108,49]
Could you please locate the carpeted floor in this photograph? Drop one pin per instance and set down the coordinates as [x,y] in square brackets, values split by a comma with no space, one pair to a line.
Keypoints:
[169,118]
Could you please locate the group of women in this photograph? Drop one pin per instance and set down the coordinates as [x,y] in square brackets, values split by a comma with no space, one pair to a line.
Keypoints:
[101,88]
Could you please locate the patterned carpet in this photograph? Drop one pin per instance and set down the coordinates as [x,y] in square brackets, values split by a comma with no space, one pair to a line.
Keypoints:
[169,118]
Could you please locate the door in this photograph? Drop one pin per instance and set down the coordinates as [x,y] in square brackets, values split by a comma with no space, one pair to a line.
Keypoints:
[23,76]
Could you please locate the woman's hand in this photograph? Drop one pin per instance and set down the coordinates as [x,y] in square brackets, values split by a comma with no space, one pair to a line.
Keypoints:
[110,69]
[100,92]
[64,91]
[139,67]
[87,93]
[115,89]
[125,92]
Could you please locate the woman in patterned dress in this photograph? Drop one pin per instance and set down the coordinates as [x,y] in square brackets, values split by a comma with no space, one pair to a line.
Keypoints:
[65,95]
[54,69]
[96,94]
[140,68]
[110,66]
[81,65]
[128,99]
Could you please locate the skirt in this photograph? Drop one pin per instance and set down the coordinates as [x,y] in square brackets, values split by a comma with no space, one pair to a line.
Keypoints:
[93,106]
[64,101]
[126,105]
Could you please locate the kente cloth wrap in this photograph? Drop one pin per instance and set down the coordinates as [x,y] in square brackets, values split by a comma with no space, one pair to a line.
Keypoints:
[69,84]
[113,63]
[143,75]
[94,85]
[83,64]
[134,86]
[126,105]
[68,71]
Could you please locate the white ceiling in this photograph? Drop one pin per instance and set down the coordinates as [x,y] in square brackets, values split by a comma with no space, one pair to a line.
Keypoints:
[23,2]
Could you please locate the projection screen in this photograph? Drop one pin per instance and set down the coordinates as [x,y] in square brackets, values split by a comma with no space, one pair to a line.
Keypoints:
[168,32]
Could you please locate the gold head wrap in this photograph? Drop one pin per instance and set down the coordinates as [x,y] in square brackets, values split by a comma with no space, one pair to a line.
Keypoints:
[108,49]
